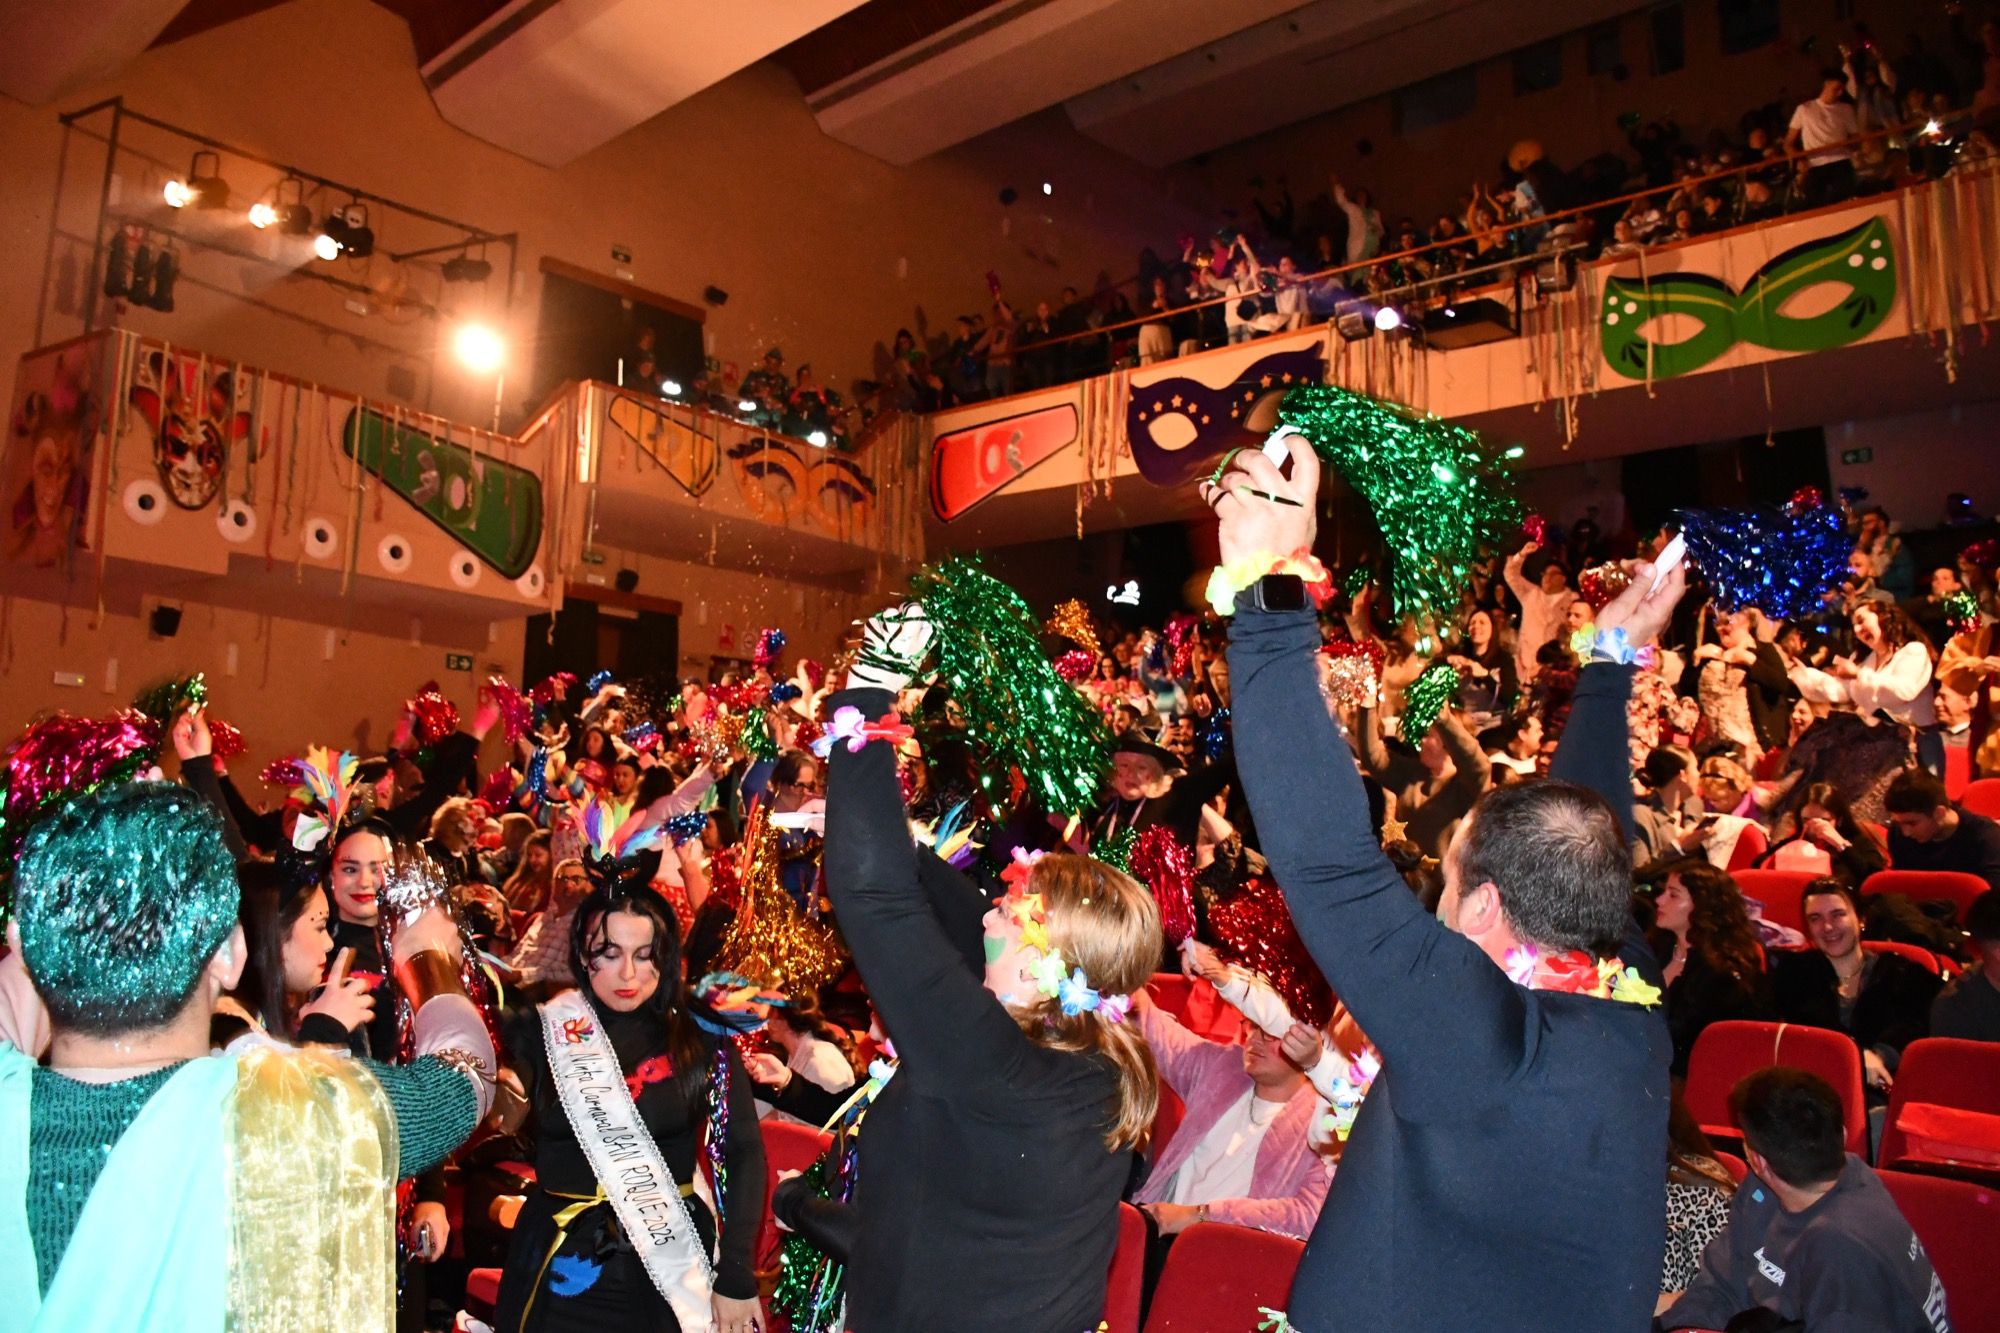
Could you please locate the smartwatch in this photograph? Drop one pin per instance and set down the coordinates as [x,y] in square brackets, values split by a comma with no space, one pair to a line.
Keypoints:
[1278,592]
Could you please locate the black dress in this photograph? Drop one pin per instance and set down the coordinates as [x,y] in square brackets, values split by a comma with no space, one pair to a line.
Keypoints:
[990,1198]
[592,1280]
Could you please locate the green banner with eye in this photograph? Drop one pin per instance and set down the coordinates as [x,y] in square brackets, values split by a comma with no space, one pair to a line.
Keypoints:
[1860,264]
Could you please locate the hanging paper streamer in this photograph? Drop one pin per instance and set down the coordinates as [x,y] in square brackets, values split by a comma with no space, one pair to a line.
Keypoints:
[1116,850]
[437,716]
[1071,620]
[1961,613]
[1254,929]
[1600,583]
[517,712]
[1018,713]
[1164,866]
[770,646]
[1441,499]
[1075,665]
[1781,561]
[1425,698]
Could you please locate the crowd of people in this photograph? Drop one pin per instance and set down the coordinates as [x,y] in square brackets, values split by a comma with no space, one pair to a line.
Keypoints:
[680,907]
[1873,124]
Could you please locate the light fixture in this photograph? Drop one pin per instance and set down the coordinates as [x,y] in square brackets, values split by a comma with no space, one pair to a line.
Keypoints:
[1388,319]
[204,186]
[1518,451]
[1557,273]
[350,231]
[746,405]
[816,438]
[262,215]
[325,246]
[117,281]
[288,215]
[478,348]
[1932,126]
[464,268]
[1048,187]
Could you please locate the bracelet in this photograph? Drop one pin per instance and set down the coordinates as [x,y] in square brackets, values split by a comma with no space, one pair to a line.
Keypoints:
[427,974]
[1233,577]
[852,726]
[1615,646]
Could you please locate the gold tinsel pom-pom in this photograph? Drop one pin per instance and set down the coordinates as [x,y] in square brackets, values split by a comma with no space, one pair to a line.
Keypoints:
[771,941]
[1072,621]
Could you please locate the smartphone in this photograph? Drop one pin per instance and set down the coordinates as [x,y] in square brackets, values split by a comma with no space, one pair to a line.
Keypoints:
[423,1245]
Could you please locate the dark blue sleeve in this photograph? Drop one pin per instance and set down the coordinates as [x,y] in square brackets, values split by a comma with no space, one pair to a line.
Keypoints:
[1596,750]
[1443,1015]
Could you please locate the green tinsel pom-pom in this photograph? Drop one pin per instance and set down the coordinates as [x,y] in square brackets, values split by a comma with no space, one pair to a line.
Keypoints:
[1442,499]
[1116,850]
[1019,714]
[1427,697]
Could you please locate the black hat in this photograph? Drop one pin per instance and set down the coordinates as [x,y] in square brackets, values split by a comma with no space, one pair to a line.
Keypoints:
[1132,743]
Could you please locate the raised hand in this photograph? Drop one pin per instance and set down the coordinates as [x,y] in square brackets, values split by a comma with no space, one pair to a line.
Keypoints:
[1260,511]
[894,644]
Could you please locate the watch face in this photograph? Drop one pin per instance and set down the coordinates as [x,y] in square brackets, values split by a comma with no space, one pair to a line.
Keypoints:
[1281,592]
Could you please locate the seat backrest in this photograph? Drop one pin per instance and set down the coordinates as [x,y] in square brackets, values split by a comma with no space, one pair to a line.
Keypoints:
[1122,1292]
[1916,953]
[1165,1121]
[1982,797]
[1957,1222]
[1738,1168]
[1726,1051]
[1778,892]
[1942,1071]
[1951,886]
[1750,844]
[1170,991]
[1217,1276]
[788,1146]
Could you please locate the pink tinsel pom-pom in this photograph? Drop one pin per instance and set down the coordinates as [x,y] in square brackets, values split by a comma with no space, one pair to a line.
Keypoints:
[517,712]
[1164,866]
[437,716]
[1074,666]
[64,755]
[283,772]
[555,688]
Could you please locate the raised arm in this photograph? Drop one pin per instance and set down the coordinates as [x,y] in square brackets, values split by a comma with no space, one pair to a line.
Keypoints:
[1595,750]
[952,1033]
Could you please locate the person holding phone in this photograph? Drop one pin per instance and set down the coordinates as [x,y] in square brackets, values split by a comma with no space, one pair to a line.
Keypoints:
[282,992]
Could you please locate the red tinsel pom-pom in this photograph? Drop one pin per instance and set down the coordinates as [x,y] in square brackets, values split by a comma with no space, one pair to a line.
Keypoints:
[815,674]
[1074,666]
[1600,583]
[770,645]
[225,741]
[63,755]
[1164,866]
[517,712]
[1537,529]
[437,716]
[283,772]
[1806,497]
[1254,929]
[498,793]
[556,687]
[1180,644]
[1982,554]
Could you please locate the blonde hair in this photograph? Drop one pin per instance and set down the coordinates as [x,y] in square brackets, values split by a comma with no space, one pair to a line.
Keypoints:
[446,812]
[1107,924]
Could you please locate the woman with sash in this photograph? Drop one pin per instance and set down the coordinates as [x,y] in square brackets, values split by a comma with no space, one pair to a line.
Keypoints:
[630,1097]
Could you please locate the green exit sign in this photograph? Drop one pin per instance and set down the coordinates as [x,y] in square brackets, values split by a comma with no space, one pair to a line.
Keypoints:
[458,661]
[1853,456]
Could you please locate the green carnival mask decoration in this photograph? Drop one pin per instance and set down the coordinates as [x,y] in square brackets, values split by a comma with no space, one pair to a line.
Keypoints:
[1861,260]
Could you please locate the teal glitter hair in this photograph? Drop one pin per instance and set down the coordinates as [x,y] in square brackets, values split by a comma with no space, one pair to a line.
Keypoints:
[123,896]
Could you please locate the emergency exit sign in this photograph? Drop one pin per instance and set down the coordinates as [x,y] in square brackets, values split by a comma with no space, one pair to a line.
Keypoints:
[1850,457]
[458,661]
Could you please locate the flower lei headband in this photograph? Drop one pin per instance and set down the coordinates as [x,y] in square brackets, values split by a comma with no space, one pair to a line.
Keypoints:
[1053,975]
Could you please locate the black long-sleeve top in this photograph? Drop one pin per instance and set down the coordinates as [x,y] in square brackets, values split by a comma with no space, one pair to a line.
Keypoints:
[1892,1010]
[1179,809]
[1701,995]
[1504,1172]
[676,1123]
[454,768]
[989,1195]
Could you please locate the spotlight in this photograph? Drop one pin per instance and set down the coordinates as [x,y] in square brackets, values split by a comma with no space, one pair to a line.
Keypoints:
[349,229]
[479,348]
[165,270]
[1518,451]
[1932,126]
[465,268]
[204,186]
[262,215]
[746,405]
[1557,273]
[817,439]
[1048,187]
[670,388]
[1388,319]
[293,217]
[1353,324]
[325,246]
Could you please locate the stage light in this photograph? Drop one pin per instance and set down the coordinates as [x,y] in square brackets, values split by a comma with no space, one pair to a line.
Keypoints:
[1388,319]
[746,405]
[1932,127]
[464,268]
[1353,324]
[1048,187]
[1554,274]
[165,270]
[1518,451]
[817,439]
[204,186]
[325,246]
[478,348]
[670,388]
[177,194]
[262,215]
[288,215]
[350,231]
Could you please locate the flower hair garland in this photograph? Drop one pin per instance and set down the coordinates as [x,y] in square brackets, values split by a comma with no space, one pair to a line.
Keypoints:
[850,725]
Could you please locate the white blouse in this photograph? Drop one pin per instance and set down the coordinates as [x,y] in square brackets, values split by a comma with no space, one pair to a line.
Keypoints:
[1901,688]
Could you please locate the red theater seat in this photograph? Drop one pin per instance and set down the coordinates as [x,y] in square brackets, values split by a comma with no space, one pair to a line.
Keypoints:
[1170,991]
[1958,1223]
[1738,1168]
[1916,953]
[1217,1276]
[1128,1273]
[1982,797]
[1959,1076]
[1726,1051]
[482,1291]
[1951,886]
[1778,891]
[1165,1121]
[787,1147]
[1751,843]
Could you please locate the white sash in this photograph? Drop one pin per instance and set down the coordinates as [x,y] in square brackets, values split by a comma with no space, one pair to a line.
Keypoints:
[630,1170]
